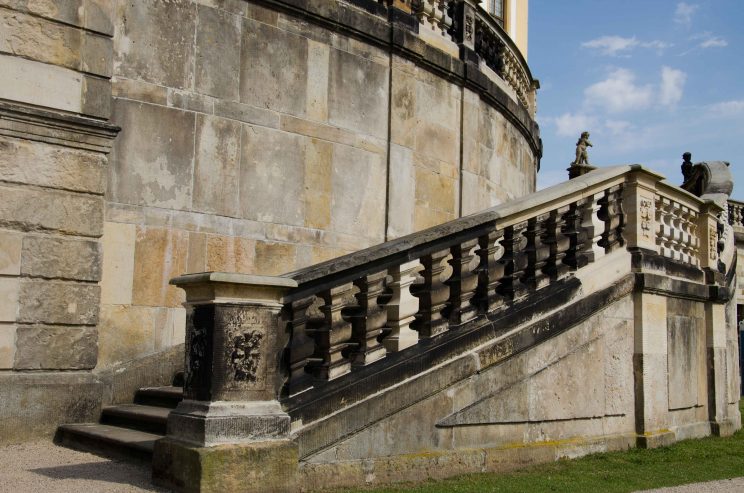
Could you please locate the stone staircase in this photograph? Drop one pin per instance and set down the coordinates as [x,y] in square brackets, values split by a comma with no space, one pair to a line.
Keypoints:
[126,431]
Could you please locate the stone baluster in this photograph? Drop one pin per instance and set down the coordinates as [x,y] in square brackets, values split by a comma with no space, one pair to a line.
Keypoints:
[536,253]
[558,244]
[514,261]
[301,346]
[594,227]
[664,224]
[490,271]
[611,213]
[368,319]
[334,335]
[579,246]
[691,242]
[402,307]
[462,283]
[433,294]
[442,15]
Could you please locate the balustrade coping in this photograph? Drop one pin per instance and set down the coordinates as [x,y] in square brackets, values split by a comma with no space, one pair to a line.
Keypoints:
[233,278]
[413,246]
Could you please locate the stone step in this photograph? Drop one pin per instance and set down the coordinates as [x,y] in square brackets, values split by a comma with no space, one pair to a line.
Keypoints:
[150,419]
[159,396]
[108,441]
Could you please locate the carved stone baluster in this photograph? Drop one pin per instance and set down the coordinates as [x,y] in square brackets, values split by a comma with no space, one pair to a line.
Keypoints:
[402,307]
[514,262]
[558,244]
[594,227]
[611,212]
[301,347]
[462,283]
[576,257]
[490,271]
[433,294]
[664,221]
[536,253]
[367,320]
[334,335]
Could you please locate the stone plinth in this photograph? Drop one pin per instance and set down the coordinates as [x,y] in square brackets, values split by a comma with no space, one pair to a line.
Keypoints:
[230,432]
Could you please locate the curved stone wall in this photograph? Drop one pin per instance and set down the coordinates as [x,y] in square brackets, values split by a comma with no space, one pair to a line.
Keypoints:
[262,137]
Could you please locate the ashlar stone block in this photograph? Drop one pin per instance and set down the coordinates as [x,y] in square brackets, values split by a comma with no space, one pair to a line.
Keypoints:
[7,346]
[53,302]
[9,288]
[159,255]
[217,71]
[10,253]
[61,258]
[118,263]
[217,166]
[55,348]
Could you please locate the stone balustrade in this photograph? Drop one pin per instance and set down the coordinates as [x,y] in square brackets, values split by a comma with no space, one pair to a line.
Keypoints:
[736,213]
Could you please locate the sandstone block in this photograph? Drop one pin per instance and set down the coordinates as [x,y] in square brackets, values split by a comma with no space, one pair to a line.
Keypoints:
[217,166]
[139,91]
[190,101]
[230,254]
[358,94]
[52,210]
[159,256]
[149,166]
[118,263]
[197,259]
[7,346]
[53,302]
[10,253]
[40,39]
[273,71]
[96,97]
[9,288]
[60,258]
[318,176]
[97,55]
[55,348]
[272,165]
[38,83]
[317,81]
[67,11]
[274,258]
[164,55]
[217,71]
[246,113]
[98,16]
[402,186]
[37,163]
[127,332]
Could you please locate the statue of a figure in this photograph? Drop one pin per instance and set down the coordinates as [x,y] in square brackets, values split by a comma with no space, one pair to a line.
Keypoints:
[582,158]
[686,166]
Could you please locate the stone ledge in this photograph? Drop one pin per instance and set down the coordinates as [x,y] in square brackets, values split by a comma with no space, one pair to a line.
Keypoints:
[55,127]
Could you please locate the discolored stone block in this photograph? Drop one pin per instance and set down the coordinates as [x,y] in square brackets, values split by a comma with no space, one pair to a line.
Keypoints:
[149,166]
[9,288]
[318,178]
[55,348]
[96,97]
[7,346]
[41,84]
[37,163]
[217,166]
[217,70]
[273,71]
[53,302]
[230,254]
[274,258]
[118,263]
[98,16]
[358,94]
[139,91]
[164,54]
[127,332]
[40,39]
[402,190]
[159,255]
[272,165]
[61,211]
[97,55]
[10,253]
[61,258]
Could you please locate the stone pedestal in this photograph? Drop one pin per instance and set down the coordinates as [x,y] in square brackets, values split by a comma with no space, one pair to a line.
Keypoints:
[230,432]
[576,170]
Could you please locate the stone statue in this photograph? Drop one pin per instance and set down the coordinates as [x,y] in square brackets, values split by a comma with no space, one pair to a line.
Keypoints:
[581,164]
[582,158]
[686,167]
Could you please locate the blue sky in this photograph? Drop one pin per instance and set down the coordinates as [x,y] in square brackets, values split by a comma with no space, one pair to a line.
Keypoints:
[650,79]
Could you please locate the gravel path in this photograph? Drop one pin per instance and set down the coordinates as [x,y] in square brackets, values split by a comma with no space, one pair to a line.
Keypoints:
[43,467]
[735,485]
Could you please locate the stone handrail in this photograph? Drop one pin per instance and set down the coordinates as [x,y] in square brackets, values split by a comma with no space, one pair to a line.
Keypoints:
[736,213]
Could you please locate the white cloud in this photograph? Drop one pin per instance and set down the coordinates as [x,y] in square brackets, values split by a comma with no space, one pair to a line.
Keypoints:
[672,86]
[619,92]
[714,42]
[617,45]
[617,127]
[727,108]
[683,13]
[571,125]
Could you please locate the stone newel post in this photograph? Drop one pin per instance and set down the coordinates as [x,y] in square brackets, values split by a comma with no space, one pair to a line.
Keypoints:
[230,432]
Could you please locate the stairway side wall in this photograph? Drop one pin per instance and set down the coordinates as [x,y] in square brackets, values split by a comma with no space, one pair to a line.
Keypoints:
[575,394]
[259,141]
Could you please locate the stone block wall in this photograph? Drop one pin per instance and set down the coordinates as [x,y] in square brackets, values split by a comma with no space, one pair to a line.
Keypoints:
[259,141]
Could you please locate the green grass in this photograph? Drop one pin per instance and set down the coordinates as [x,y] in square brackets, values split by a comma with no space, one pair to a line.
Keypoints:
[684,462]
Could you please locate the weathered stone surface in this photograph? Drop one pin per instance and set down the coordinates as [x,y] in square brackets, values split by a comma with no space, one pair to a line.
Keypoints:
[187,100]
[10,253]
[60,258]
[139,91]
[96,99]
[98,15]
[37,163]
[148,166]
[319,179]
[217,70]
[358,94]
[29,81]
[9,287]
[159,256]
[97,55]
[40,39]
[128,332]
[402,185]
[151,42]
[51,347]
[274,258]
[217,166]
[272,165]
[229,254]
[7,346]
[273,69]
[54,302]
[65,212]
[34,404]
[685,359]
[118,263]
